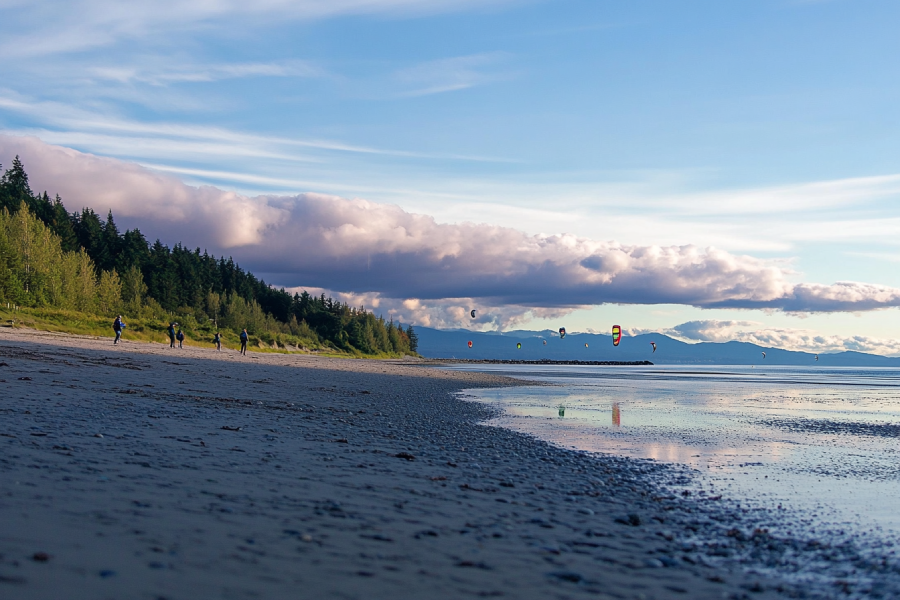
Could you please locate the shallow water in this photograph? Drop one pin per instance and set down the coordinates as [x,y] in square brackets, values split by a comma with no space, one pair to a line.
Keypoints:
[821,443]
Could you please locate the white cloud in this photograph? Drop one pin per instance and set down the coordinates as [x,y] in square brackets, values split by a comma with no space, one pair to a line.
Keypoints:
[444,313]
[803,340]
[66,124]
[195,73]
[449,74]
[357,246]
[42,27]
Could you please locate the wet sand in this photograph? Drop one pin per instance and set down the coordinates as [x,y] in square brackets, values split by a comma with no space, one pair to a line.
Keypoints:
[139,471]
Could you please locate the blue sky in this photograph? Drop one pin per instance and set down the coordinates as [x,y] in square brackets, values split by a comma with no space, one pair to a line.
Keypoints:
[766,130]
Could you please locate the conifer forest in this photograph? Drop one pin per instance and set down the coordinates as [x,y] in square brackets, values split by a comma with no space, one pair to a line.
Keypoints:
[66,266]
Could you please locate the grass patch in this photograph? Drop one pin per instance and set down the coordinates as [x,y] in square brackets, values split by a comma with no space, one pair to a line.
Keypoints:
[198,335]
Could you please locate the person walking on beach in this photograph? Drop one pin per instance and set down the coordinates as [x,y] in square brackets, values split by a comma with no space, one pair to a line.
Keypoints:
[180,337]
[244,339]
[171,332]
[118,326]
[218,340]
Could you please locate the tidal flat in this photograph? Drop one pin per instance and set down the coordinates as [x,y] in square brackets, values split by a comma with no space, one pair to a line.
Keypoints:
[808,454]
[140,471]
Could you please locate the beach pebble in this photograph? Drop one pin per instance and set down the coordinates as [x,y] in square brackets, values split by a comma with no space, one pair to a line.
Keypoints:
[570,576]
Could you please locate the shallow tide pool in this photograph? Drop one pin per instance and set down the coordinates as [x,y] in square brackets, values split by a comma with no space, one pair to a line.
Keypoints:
[820,442]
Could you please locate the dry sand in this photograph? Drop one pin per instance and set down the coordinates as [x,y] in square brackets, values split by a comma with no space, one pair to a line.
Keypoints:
[139,471]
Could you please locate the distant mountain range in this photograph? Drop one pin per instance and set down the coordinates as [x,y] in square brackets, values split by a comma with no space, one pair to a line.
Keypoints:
[453,343]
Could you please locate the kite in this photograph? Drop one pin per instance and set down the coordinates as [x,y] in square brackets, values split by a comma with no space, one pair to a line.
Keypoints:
[654,346]
[519,345]
[617,335]
[817,358]
[470,343]
[562,332]
[472,313]
[764,354]
[585,345]
[545,343]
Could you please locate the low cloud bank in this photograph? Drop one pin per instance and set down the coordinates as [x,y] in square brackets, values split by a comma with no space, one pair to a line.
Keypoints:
[359,247]
[444,313]
[802,340]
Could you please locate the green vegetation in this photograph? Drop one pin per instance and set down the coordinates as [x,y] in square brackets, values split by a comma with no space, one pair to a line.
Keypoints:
[75,272]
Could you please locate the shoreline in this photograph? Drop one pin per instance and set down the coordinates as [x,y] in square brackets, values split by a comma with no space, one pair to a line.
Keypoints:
[541,362]
[193,473]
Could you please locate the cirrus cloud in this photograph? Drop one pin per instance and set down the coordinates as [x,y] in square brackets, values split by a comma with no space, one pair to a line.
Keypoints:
[356,246]
[49,26]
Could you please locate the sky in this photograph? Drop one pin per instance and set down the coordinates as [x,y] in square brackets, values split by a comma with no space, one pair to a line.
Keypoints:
[712,170]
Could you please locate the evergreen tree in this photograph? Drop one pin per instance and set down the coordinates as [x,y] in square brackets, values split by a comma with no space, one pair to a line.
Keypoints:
[14,187]
[111,244]
[62,226]
[133,251]
[413,339]
[89,231]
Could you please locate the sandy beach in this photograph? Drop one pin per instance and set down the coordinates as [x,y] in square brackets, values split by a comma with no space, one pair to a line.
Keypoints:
[140,471]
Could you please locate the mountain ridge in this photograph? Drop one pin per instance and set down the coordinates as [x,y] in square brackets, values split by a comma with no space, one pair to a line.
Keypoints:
[453,343]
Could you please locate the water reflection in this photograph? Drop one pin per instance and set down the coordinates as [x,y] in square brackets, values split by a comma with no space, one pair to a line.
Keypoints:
[773,434]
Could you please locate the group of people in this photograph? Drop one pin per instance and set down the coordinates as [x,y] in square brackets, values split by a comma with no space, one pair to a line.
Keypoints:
[119,326]
[175,336]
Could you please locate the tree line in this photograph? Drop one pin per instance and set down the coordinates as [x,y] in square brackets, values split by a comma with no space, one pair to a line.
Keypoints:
[80,261]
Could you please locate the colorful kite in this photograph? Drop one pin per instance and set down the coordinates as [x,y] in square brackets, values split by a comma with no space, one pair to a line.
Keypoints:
[617,335]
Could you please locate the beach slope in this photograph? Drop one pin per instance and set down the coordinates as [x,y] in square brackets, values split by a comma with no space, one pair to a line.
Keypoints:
[140,471]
